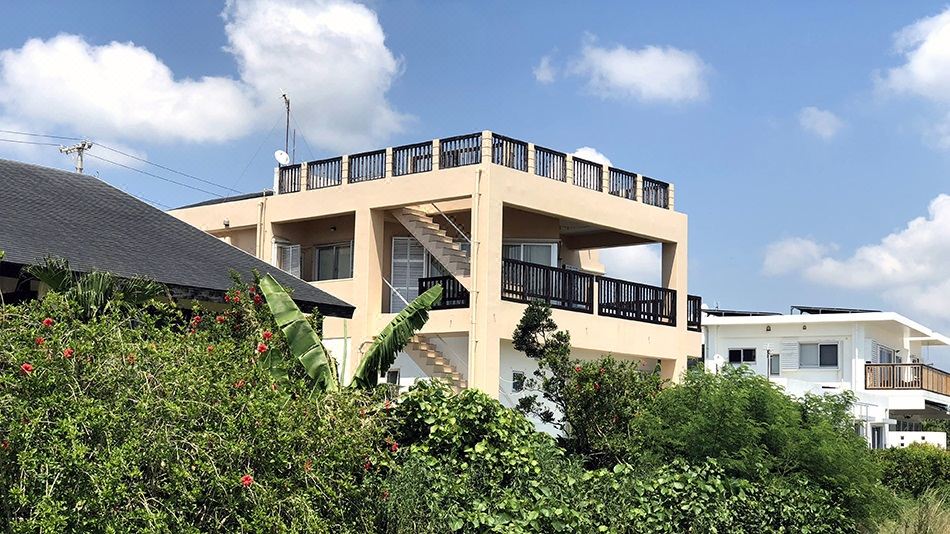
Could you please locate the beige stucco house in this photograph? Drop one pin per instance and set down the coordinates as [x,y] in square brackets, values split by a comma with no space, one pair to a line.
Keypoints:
[499,222]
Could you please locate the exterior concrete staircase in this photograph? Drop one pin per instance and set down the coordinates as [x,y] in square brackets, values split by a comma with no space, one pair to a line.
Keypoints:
[437,241]
[433,362]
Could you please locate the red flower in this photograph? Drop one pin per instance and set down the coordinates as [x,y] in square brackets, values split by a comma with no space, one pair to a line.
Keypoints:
[601,370]
[577,369]
[247,480]
[394,447]
[267,335]
[261,347]
[227,298]
[40,341]
[48,322]
[236,298]
[385,494]
[239,384]
[26,368]
[5,444]
[596,386]
[258,299]
[386,405]
[196,319]
[68,352]
[219,318]
[251,289]
[367,466]
[210,348]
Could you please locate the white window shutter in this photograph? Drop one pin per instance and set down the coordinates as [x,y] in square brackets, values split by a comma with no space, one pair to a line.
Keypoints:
[788,356]
[294,260]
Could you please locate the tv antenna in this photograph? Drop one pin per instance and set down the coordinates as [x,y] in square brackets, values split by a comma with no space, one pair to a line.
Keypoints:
[78,148]
[286,98]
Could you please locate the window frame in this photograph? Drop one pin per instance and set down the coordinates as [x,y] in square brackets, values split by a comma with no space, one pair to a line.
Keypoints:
[742,355]
[880,348]
[517,385]
[819,344]
[336,264]
[521,243]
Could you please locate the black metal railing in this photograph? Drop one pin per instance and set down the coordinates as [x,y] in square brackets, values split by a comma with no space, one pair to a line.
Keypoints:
[622,184]
[656,193]
[550,164]
[588,174]
[459,151]
[367,166]
[454,294]
[694,313]
[289,179]
[324,173]
[509,152]
[411,159]
[637,302]
[565,289]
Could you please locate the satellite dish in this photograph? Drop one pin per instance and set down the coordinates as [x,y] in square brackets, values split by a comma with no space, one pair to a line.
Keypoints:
[282,157]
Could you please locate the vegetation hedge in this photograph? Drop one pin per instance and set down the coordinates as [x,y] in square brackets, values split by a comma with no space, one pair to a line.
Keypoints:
[914,469]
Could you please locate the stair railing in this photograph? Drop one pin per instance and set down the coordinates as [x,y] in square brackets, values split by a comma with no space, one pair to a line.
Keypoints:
[457,229]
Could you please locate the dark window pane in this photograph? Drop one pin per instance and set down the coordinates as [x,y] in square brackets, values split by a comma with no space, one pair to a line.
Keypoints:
[517,379]
[735,355]
[828,356]
[748,355]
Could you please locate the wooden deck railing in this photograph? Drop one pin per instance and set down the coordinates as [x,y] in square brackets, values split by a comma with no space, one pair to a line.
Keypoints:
[906,376]
[525,282]
[454,294]
[637,302]
[694,313]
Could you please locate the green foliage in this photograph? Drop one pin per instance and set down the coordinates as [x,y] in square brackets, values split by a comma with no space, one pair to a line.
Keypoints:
[928,514]
[914,469]
[387,344]
[304,342]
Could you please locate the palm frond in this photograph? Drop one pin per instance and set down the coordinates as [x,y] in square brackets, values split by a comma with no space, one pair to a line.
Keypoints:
[54,272]
[382,353]
[304,342]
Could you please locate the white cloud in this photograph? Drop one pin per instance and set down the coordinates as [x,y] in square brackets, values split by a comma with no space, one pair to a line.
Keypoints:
[792,254]
[591,154]
[649,74]
[330,56]
[907,267]
[925,46]
[639,263]
[545,71]
[820,122]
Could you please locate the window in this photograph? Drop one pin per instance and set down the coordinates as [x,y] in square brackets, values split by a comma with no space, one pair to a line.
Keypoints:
[392,377]
[739,356]
[287,257]
[818,355]
[410,262]
[334,261]
[540,253]
[517,381]
[885,354]
[775,364]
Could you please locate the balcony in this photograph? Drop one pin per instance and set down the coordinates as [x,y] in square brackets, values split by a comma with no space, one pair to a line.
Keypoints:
[473,149]
[572,290]
[454,295]
[906,376]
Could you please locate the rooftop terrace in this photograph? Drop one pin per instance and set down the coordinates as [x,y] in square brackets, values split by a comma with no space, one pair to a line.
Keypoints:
[473,149]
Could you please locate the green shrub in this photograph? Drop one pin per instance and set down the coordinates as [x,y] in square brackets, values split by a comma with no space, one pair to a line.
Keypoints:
[914,469]
[151,421]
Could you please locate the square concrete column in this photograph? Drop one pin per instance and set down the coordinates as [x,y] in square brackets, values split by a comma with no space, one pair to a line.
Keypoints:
[484,359]
[369,249]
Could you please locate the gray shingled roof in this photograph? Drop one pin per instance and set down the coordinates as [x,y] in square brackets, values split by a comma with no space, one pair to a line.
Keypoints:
[49,212]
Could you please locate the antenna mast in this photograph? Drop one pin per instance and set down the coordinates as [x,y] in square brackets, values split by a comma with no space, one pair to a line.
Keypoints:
[79,148]
[287,126]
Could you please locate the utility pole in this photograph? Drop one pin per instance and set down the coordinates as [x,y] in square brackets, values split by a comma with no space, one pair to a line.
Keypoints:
[287,127]
[78,148]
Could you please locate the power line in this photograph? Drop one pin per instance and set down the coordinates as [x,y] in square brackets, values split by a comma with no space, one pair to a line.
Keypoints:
[169,169]
[22,142]
[155,175]
[306,144]
[259,147]
[42,135]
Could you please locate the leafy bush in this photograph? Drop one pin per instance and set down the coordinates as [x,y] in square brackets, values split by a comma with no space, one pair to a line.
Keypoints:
[927,514]
[152,421]
[915,469]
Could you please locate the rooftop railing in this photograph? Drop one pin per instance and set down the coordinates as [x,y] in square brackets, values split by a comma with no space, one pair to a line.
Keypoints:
[473,149]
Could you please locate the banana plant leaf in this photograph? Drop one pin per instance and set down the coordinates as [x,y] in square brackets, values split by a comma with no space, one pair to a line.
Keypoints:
[382,353]
[304,342]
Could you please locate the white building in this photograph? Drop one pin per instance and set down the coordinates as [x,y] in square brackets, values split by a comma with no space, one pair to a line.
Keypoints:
[881,356]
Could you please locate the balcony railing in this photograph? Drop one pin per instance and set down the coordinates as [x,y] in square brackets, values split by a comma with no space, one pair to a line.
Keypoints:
[472,150]
[411,159]
[637,302]
[906,376]
[460,151]
[454,294]
[694,313]
[367,166]
[509,152]
[289,179]
[561,288]
[324,173]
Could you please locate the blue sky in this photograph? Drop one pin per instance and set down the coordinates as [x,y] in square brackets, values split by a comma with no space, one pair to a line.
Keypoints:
[781,198]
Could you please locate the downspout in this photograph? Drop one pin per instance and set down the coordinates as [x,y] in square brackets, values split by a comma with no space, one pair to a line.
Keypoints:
[260,227]
[473,269]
